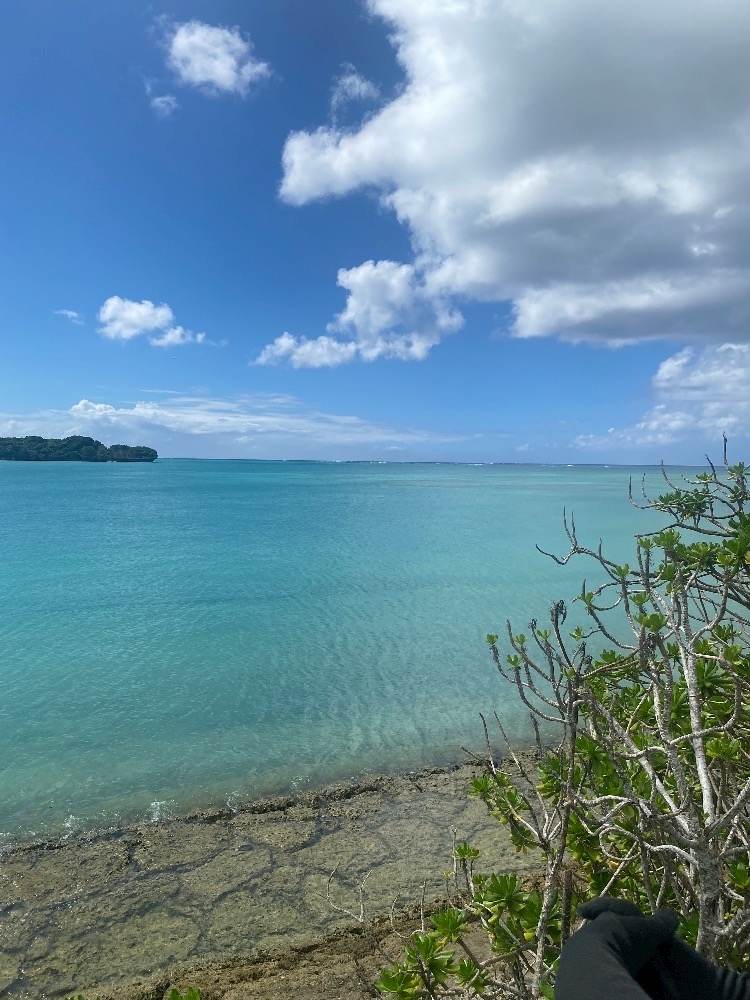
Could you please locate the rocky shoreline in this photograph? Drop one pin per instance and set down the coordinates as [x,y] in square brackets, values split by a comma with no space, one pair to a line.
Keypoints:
[235,902]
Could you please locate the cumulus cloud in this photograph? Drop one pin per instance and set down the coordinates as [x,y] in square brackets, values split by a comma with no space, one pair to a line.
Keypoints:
[703,394]
[303,353]
[390,313]
[385,294]
[217,60]
[70,314]
[586,162]
[269,424]
[351,86]
[125,319]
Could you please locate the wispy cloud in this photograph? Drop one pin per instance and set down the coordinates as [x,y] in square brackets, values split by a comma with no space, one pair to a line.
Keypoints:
[215,59]
[125,319]
[176,336]
[164,105]
[70,314]
[351,86]
[269,425]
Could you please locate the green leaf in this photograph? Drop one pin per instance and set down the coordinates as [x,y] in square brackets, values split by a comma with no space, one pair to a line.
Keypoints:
[464,852]
[449,923]
[469,975]
[399,982]
[436,960]
[481,787]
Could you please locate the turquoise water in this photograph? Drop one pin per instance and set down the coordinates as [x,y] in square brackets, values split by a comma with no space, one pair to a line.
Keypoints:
[191,633]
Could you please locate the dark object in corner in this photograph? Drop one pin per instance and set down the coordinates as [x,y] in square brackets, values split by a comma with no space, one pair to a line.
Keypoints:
[70,449]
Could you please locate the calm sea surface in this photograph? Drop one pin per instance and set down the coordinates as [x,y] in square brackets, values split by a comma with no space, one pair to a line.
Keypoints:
[191,633]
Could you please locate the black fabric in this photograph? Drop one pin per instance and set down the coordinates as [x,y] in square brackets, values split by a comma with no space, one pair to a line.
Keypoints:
[622,955]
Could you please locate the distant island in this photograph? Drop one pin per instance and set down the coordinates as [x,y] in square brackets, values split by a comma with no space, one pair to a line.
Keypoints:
[70,449]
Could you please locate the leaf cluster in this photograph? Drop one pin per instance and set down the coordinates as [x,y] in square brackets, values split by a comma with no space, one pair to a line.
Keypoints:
[430,963]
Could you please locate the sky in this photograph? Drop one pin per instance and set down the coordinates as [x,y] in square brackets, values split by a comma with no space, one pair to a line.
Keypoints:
[439,230]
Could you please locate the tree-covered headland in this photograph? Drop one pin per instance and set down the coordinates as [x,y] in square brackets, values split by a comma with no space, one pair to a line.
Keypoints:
[70,449]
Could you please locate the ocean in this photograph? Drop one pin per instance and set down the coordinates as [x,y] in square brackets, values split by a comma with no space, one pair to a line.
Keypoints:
[195,633]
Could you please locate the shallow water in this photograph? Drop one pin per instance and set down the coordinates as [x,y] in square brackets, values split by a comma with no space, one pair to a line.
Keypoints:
[126,913]
[188,632]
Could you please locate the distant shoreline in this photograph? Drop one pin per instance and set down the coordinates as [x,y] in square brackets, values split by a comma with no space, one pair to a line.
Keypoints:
[391,461]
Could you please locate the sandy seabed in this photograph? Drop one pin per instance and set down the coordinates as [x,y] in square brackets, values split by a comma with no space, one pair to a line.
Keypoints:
[234,903]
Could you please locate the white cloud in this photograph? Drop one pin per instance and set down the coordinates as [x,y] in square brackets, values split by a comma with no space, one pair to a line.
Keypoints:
[218,60]
[715,374]
[661,426]
[263,425]
[70,314]
[124,319]
[351,86]
[164,105]
[389,313]
[176,336]
[378,294]
[587,162]
[630,310]
[704,394]
[303,353]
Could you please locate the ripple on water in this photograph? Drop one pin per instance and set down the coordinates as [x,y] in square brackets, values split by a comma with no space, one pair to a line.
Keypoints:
[185,632]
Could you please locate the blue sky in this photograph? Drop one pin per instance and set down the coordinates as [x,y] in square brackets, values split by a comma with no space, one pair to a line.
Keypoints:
[397,229]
